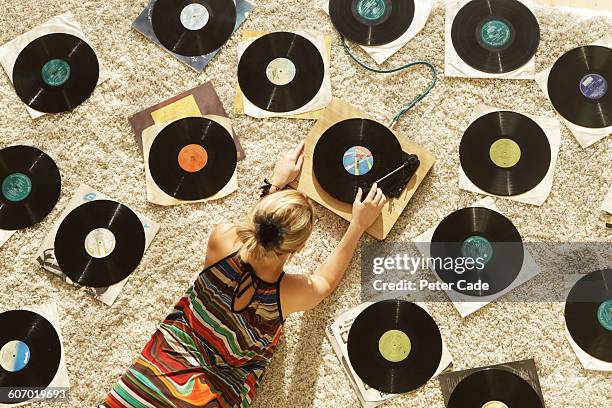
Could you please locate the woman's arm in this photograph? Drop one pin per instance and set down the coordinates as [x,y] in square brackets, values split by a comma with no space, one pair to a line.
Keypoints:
[303,292]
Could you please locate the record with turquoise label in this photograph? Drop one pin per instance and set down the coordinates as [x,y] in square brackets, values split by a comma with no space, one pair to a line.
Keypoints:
[55,73]
[495,36]
[394,346]
[372,22]
[580,86]
[480,251]
[30,186]
[30,353]
[588,314]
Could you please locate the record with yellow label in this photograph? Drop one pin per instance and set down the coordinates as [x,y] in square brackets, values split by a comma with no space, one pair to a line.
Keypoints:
[394,346]
[505,153]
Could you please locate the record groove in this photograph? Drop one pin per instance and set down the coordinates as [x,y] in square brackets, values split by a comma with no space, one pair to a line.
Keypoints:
[394,346]
[505,153]
[580,86]
[99,243]
[30,186]
[372,22]
[55,73]
[478,232]
[495,36]
[30,351]
[193,27]
[281,72]
[192,158]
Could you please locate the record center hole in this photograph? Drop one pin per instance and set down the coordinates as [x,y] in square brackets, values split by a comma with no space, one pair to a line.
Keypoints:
[495,33]
[194,16]
[16,187]
[281,71]
[14,356]
[100,243]
[477,247]
[55,72]
[593,86]
[394,345]
[192,158]
[358,160]
[495,404]
[604,314]
[505,153]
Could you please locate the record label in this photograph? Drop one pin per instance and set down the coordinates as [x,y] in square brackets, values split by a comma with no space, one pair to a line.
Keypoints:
[14,356]
[495,33]
[477,247]
[16,187]
[604,314]
[495,404]
[505,153]
[372,11]
[194,16]
[55,72]
[281,71]
[358,160]
[593,86]
[394,345]
[100,243]
[192,158]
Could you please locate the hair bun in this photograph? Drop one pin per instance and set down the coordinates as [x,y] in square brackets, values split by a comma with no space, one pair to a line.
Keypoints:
[269,232]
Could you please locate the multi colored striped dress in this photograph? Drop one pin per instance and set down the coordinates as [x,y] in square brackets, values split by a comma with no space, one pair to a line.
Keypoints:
[206,354]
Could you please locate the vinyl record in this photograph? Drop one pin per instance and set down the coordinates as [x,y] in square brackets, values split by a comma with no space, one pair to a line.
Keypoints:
[281,72]
[494,388]
[495,36]
[193,27]
[579,86]
[30,188]
[30,352]
[372,22]
[482,234]
[394,346]
[505,153]
[588,314]
[99,243]
[354,153]
[192,158]
[55,73]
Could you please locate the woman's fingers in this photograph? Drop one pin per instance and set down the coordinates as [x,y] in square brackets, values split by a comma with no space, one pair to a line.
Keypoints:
[297,151]
[300,162]
[379,196]
[372,192]
[358,195]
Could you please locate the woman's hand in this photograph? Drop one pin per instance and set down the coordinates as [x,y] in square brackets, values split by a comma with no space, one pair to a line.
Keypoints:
[367,211]
[288,167]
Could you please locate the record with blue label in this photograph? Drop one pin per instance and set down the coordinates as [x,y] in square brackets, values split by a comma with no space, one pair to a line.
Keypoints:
[494,388]
[281,72]
[355,153]
[394,346]
[55,73]
[580,86]
[372,22]
[193,27]
[495,36]
[505,153]
[30,186]
[30,352]
[99,243]
[588,314]
[484,239]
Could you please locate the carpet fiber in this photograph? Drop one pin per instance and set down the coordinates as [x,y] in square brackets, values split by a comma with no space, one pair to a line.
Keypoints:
[94,145]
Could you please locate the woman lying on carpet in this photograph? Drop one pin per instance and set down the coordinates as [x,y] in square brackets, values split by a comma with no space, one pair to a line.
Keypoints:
[212,350]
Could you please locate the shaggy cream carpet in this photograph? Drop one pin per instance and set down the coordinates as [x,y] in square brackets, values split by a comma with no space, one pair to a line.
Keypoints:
[94,145]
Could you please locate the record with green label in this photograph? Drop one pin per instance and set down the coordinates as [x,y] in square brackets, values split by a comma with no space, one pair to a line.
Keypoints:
[588,314]
[495,36]
[193,27]
[505,153]
[580,86]
[55,73]
[394,346]
[372,22]
[30,186]
[30,353]
[281,72]
[480,251]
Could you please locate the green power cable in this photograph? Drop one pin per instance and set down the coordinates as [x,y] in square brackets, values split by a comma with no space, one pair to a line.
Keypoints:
[416,100]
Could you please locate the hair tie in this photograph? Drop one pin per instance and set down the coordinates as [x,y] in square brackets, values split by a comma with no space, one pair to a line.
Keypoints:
[269,231]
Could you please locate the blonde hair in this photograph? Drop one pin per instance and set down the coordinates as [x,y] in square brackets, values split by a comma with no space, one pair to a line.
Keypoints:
[280,224]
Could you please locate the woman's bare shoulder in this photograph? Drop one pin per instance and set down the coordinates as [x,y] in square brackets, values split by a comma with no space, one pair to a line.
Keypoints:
[222,242]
